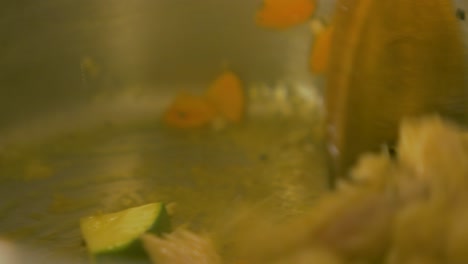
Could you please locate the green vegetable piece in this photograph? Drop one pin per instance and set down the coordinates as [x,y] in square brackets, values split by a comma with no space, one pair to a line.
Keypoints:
[119,233]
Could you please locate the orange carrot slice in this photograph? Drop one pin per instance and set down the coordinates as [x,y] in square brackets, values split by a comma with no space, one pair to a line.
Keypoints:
[282,14]
[321,51]
[226,94]
[189,111]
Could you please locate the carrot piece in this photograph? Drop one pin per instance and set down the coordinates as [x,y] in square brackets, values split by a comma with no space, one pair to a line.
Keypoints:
[226,94]
[321,51]
[189,111]
[282,14]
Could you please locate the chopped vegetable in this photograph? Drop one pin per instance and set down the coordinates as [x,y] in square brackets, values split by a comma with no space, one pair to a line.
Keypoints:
[321,51]
[227,96]
[282,14]
[120,231]
[224,100]
[189,111]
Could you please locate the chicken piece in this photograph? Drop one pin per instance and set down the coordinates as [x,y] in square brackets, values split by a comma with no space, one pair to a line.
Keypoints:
[457,234]
[311,256]
[419,234]
[430,229]
[436,153]
[180,247]
[354,223]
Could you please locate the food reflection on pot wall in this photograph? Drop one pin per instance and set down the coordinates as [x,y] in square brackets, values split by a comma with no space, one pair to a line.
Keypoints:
[282,14]
[321,47]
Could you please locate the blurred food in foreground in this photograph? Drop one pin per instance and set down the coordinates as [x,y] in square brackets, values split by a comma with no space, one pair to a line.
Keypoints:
[282,14]
[408,208]
[223,100]
[390,59]
[181,247]
[399,209]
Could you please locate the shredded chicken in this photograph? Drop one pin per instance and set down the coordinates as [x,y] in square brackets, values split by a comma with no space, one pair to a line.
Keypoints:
[180,247]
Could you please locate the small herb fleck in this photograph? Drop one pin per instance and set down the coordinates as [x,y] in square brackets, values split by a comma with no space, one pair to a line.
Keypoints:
[263,157]
[392,151]
[460,13]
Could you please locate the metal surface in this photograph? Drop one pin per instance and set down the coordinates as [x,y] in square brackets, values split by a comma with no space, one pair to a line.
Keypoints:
[47,187]
[159,46]
[83,85]
[75,141]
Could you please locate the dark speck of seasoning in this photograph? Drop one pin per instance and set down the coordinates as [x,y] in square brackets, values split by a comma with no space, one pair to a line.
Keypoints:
[182,115]
[391,150]
[263,157]
[460,14]
[83,243]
